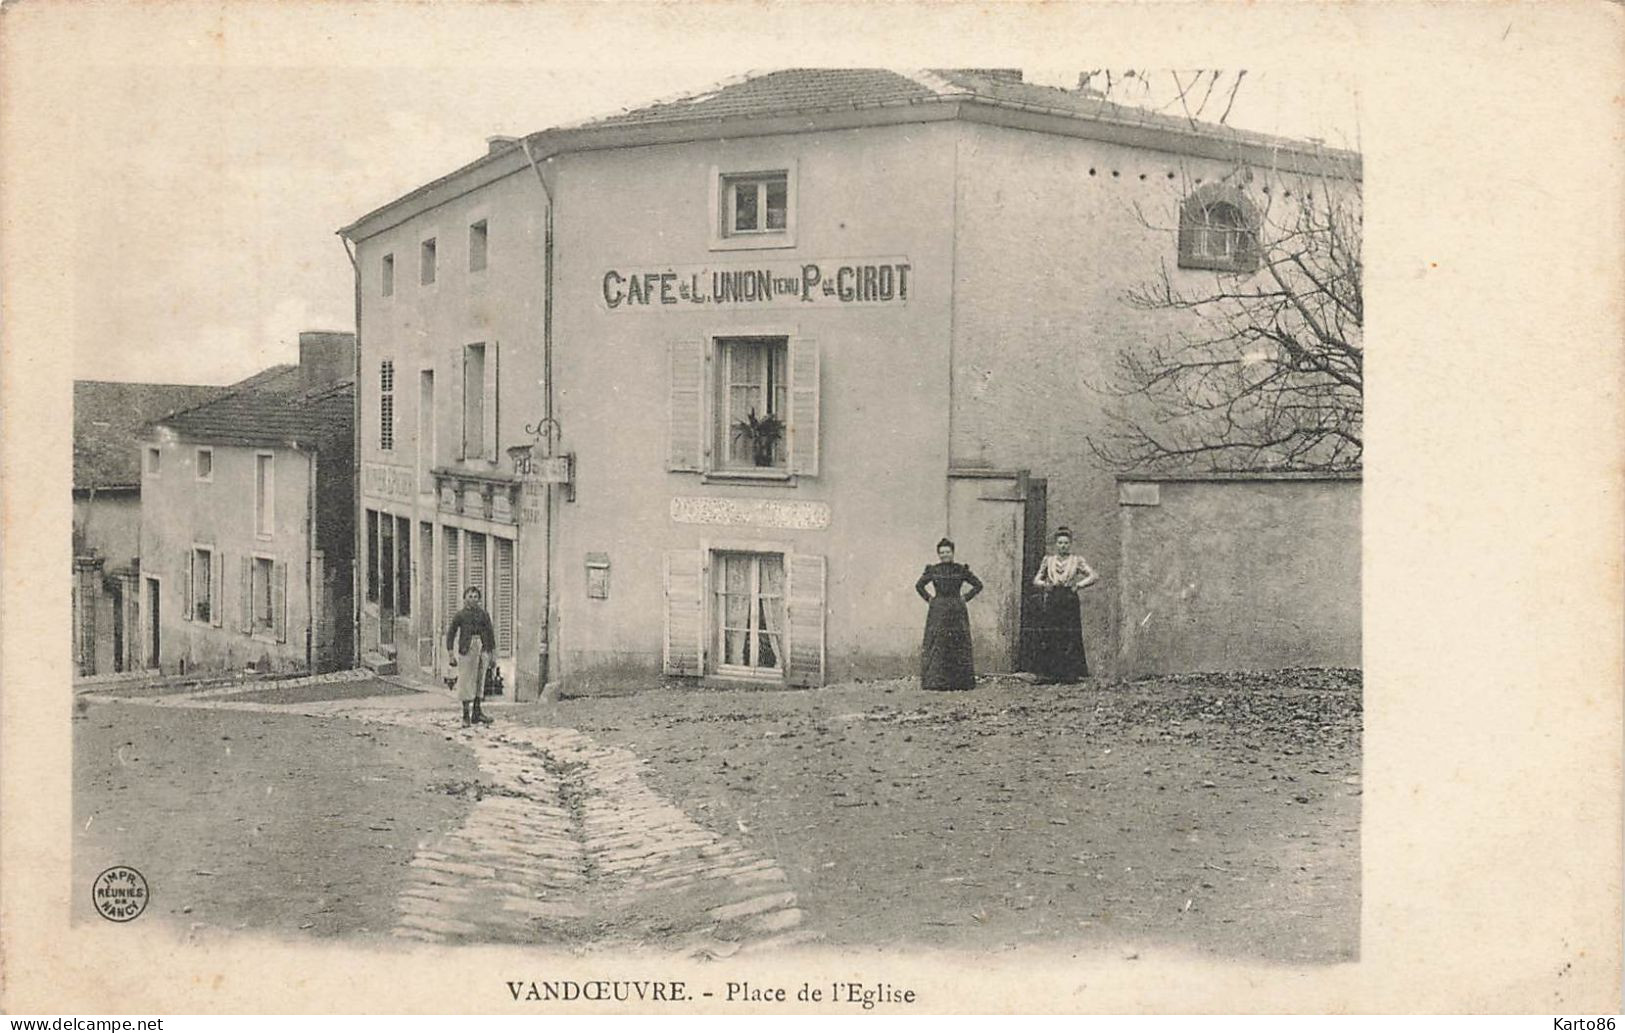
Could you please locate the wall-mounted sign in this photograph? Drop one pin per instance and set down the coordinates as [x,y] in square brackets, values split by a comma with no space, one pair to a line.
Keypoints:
[827,281]
[802,516]
[398,482]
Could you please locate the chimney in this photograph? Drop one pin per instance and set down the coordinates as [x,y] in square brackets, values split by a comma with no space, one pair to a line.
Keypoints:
[325,357]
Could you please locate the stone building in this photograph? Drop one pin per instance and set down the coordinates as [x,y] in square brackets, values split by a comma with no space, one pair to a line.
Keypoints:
[694,389]
[248,522]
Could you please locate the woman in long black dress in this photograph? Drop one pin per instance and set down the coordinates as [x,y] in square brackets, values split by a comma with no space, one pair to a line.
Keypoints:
[1060,645]
[945,655]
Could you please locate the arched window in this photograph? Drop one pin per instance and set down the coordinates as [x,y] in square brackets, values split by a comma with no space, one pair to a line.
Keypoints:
[1218,230]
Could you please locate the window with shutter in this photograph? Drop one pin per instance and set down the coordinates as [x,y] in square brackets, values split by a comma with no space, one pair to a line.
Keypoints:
[502,604]
[684,652]
[804,406]
[805,617]
[186,587]
[279,602]
[685,447]
[262,580]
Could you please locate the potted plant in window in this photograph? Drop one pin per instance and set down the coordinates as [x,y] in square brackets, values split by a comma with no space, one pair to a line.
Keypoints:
[762,433]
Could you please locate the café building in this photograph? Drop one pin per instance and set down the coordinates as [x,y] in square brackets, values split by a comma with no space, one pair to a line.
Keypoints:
[692,391]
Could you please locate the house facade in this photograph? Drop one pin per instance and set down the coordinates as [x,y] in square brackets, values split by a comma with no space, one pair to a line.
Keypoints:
[107,515]
[247,523]
[743,358]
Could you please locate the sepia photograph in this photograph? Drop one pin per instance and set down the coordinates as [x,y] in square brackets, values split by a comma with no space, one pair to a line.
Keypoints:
[716,512]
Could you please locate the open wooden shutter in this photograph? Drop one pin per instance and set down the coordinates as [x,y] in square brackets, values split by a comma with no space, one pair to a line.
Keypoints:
[804,406]
[217,590]
[456,360]
[245,595]
[685,449]
[804,619]
[685,606]
[490,407]
[279,599]
[454,587]
[186,585]
[502,604]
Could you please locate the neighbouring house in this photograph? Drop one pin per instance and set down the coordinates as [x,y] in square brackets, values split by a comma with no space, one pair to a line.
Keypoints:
[107,417]
[693,390]
[248,521]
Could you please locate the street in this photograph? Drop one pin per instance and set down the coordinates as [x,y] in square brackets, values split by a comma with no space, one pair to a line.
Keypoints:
[1208,813]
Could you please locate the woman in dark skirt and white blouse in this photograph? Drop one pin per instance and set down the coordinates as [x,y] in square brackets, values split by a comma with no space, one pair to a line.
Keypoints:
[945,655]
[1060,647]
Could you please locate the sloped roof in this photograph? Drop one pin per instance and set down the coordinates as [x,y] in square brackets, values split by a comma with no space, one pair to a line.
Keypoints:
[808,90]
[807,99]
[781,92]
[269,416]
[109,416]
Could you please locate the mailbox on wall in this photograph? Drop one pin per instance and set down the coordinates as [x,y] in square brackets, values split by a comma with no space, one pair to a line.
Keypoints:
[597,575]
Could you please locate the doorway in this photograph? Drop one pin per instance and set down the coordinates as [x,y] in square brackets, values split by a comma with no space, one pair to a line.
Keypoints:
[386,580]
[153,623]
[116,592]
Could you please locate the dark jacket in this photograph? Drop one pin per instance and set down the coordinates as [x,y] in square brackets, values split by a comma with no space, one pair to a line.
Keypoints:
[471,621]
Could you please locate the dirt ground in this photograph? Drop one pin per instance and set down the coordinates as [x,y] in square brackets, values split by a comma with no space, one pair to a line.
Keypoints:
[273,822]
[1214,813]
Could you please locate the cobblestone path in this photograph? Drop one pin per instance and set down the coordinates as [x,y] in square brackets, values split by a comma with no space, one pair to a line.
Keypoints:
[566,845]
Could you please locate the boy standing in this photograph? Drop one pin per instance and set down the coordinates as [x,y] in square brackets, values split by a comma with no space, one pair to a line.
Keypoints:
[471,641]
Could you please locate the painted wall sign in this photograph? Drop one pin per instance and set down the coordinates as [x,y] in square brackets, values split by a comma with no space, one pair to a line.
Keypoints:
[801,516]
[828,281]
[392,481]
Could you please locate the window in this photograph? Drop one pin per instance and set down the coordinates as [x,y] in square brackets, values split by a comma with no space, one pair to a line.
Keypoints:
[386,405]
[748,590]
[1217,230]
[153,459]
[751,411]
[372,555]
[480,402]
[205,464]
[260,621]
[203,584]
[426,262]
[387,276]
[476,246]
[264,494]
[756,204]
[751,402]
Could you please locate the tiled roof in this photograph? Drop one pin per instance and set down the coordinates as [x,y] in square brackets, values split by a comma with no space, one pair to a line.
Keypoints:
[805,90]
[262,416]
[107,419]
[283,379]
[789,90]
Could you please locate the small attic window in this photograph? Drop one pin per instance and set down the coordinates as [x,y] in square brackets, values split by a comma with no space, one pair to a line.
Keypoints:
[1218,229]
